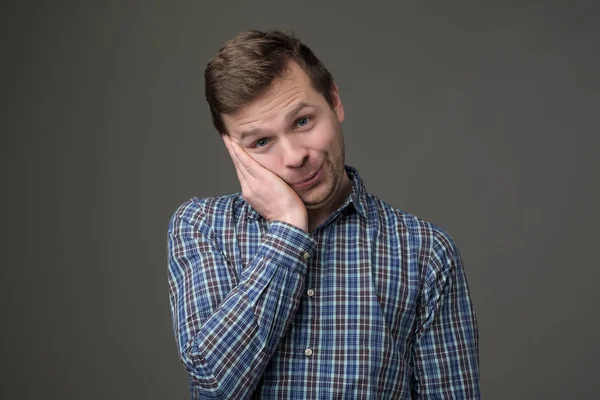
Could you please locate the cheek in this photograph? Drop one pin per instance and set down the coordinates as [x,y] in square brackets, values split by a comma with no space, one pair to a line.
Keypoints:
[268,161]
[325,139]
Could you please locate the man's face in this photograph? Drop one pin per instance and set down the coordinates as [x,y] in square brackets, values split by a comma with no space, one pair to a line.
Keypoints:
[292,131]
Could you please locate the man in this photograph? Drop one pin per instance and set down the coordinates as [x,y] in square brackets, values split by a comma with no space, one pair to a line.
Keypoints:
[306,286]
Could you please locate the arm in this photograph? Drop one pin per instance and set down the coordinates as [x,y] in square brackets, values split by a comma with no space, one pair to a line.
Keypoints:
[227,330]
[446,347]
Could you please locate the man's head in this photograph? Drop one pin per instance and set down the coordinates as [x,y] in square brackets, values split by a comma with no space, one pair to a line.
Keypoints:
[273,97]
[248,63]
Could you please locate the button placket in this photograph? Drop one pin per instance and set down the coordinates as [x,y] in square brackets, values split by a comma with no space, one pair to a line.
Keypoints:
[308,352]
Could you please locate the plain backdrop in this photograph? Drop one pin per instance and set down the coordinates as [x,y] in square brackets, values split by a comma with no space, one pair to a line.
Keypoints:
[481,117]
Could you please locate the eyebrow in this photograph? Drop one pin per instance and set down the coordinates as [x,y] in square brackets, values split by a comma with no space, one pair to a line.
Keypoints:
[292,113]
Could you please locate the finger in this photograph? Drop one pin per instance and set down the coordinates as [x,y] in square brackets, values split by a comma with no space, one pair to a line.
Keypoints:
[239,168]
[237,155]
[241,178]
[247,163]
[227,141]
[241,171]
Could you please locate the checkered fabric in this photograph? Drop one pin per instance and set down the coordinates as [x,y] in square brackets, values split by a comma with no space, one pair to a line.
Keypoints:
[373,304]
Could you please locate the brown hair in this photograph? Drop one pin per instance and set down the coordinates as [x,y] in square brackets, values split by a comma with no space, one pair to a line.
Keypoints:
[248,63]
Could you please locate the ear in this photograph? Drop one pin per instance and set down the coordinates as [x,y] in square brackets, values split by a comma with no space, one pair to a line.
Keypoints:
[338,107]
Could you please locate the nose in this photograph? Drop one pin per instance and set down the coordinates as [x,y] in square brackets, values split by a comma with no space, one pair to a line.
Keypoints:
[295,155]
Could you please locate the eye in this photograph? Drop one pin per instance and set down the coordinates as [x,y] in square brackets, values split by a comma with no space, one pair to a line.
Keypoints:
[261,142]
[302,122]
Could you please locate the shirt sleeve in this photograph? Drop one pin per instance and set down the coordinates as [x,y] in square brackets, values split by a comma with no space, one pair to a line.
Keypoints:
[446,347]
[227,326]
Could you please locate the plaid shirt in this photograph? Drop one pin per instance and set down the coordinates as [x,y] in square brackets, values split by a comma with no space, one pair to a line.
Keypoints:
[373,304]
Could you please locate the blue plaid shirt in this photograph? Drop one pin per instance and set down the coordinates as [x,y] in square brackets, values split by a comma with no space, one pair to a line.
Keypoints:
[373,304]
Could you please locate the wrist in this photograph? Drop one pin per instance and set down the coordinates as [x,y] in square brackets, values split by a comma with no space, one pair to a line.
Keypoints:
[298,221]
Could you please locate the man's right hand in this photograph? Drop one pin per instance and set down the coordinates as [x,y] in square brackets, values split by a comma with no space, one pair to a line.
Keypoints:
[266,192]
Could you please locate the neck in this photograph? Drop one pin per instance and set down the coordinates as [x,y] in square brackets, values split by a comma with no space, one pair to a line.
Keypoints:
[318,216]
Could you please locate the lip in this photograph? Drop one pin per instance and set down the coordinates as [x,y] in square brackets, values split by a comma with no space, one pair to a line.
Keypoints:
[309,182]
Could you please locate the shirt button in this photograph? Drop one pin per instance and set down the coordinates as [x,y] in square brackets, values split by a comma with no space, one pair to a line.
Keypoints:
[310,293]
[308,352]
[306,256]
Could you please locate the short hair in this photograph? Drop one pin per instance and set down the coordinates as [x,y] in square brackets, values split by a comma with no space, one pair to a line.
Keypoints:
[247,64]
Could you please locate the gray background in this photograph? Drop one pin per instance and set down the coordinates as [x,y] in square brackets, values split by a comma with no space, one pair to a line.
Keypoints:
[481,117]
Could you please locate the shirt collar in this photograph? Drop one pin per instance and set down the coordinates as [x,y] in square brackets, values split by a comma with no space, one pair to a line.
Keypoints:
[358,196]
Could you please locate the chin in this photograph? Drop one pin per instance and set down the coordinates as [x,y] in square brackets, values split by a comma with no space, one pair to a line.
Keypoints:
[319,200]
[323,194]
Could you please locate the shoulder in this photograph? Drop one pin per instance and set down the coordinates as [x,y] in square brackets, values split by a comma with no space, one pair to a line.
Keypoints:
[415,231]
[208,211]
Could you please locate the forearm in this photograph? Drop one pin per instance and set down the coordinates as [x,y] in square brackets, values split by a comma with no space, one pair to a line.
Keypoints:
[446,350]
[226,348]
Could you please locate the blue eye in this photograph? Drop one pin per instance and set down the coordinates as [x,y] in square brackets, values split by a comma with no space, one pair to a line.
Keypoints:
[261,142]
[302,122]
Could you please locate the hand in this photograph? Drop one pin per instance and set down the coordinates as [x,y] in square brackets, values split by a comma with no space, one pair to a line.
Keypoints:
[270,195]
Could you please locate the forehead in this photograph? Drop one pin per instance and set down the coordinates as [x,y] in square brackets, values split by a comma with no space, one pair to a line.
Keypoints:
[284,94]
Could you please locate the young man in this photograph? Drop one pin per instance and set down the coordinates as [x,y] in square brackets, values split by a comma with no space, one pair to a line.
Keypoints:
[306,286]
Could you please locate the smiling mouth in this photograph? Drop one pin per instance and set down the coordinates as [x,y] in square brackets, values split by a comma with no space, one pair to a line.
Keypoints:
[307,179]
[310,181]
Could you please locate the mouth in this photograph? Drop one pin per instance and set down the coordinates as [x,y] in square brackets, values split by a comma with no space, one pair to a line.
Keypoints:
[309,181]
